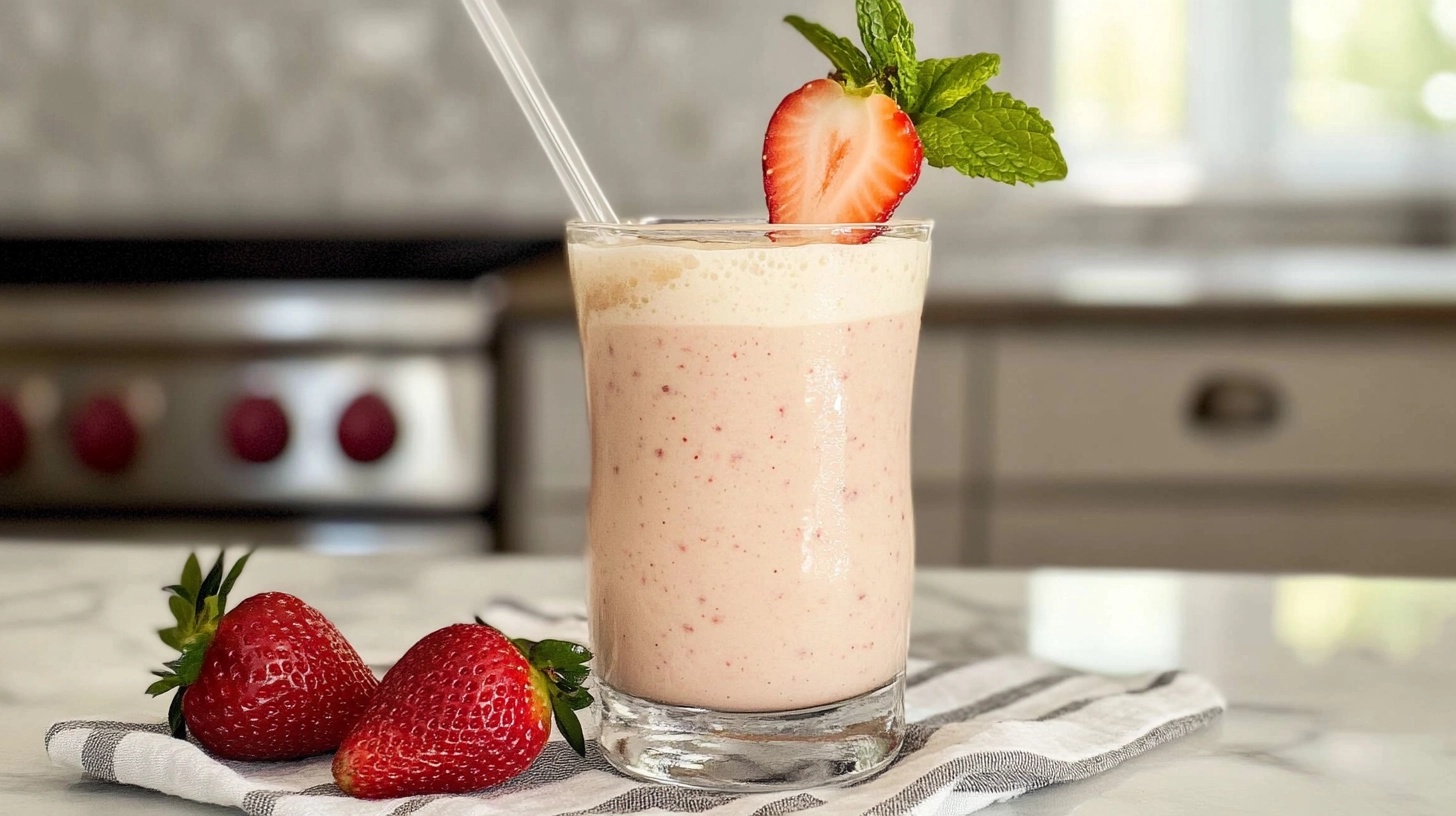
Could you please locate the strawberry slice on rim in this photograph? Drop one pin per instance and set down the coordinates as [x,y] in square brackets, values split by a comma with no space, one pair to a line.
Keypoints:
[834,155]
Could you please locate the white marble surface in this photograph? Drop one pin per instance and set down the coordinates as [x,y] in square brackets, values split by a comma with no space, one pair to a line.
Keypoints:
[1342,690]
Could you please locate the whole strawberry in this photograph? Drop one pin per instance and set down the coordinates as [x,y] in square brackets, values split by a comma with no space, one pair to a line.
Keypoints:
[270,680]
[464,709]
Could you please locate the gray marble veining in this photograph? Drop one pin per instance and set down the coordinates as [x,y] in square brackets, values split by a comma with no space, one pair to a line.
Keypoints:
[1342,690]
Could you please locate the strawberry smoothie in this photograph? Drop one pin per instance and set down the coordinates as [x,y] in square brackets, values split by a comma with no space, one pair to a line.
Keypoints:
[751,529]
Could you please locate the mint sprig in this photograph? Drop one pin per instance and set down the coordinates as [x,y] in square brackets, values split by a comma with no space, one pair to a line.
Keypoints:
[843,54]
[950,79]
[962,123]
[889,38]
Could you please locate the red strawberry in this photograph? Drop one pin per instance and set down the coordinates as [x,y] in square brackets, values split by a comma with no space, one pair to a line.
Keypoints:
[834,155]
[464,709]
[272,679]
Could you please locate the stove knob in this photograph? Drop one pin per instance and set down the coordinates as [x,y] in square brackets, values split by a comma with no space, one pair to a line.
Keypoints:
[12,438]
[103,436]
[257,429]
[367,428]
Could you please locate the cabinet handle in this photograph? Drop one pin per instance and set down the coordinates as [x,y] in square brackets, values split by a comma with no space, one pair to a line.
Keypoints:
[1232,403]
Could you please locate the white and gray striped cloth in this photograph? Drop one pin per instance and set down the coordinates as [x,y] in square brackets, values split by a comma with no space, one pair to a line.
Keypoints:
[979,733]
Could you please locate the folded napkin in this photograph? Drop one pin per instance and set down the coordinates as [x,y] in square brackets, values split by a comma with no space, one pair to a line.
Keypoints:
[979,733]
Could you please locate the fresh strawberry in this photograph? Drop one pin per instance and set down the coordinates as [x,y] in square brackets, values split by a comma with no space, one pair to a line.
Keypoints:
[848,148]
[272,679]
[834,155]
[464,709]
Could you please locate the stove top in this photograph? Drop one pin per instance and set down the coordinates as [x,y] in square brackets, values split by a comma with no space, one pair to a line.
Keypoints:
[329,377]
[91,261]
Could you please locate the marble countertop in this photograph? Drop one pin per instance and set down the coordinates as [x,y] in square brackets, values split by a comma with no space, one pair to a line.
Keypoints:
[1342,690]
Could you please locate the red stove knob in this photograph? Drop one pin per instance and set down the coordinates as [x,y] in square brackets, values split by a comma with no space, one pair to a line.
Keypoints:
[12,438]
[367,428]
[103,435]
[257,429]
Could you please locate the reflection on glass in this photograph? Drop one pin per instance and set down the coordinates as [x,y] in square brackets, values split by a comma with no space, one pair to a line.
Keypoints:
[1371,65]
[1117,623]
[1317,617]
[1121,69]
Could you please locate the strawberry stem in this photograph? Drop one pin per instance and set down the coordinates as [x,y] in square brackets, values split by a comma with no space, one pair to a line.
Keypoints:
[197,604]
[563,664]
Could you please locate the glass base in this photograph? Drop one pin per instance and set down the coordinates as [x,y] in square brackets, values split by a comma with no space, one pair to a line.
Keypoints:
[751,751]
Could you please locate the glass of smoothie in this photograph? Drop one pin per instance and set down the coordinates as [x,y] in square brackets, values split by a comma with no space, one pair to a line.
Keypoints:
[751,532]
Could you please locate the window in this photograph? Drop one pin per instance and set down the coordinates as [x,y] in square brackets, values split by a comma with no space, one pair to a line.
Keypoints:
[1120,72]
[1373,65]
[1161,100]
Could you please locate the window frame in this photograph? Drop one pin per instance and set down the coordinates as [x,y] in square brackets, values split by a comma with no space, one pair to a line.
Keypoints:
[1241,139]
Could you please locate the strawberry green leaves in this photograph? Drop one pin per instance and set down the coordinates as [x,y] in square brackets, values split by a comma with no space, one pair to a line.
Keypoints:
[197,603]
[564,665]
[995,136]
[846,58]
[961,122]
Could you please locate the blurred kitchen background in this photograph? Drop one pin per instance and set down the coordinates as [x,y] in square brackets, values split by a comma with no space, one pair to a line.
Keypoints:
[290,272]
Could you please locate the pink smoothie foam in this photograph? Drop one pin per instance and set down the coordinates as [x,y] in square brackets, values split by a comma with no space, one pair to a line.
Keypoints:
[751,534]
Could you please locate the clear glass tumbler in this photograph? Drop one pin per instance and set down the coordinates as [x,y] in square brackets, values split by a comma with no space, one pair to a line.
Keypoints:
[751,535]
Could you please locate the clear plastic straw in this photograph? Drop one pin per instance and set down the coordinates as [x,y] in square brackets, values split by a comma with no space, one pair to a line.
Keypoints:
[586,195]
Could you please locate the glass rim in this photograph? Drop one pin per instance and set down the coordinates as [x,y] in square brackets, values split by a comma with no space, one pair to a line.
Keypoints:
[894,228]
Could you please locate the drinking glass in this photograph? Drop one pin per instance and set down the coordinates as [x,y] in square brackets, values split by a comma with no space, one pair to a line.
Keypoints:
[751,535]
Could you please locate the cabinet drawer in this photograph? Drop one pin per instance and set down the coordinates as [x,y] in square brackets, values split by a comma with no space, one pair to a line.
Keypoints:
[1270,530]
[1244,406]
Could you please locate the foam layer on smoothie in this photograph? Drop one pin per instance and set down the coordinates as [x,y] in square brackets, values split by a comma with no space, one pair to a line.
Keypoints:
[760,284]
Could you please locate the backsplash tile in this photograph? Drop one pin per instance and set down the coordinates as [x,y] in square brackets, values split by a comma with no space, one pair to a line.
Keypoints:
[338,113]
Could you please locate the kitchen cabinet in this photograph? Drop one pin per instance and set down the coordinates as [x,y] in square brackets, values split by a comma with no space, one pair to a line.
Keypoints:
[1241,447]
[1260,405]
[545,448]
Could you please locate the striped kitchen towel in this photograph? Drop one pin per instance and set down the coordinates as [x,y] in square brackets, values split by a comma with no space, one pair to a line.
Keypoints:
[979,733]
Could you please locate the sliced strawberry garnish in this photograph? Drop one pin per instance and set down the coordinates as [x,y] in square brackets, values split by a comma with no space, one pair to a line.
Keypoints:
[834,156]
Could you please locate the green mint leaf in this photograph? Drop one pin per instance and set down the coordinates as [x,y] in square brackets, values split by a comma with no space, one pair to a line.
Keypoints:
[843,54]
[944,82]
[889,39]
[993,135]
[232,578]
[192,576]
[568,723]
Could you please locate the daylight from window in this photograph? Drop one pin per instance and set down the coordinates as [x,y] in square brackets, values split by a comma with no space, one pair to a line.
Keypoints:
[1369,65]
[1120,74]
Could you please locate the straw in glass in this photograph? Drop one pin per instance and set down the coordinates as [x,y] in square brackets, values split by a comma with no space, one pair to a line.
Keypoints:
[586,195]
